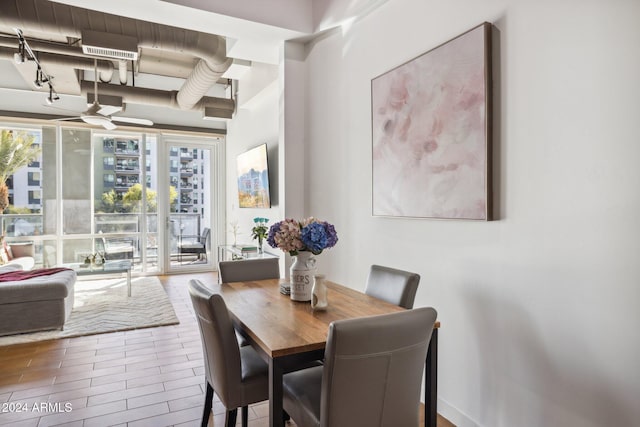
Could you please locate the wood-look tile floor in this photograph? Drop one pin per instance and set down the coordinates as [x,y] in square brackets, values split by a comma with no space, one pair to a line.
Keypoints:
[146,377]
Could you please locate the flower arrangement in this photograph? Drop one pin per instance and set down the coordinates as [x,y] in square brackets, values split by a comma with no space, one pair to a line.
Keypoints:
[310,235]
[259,230]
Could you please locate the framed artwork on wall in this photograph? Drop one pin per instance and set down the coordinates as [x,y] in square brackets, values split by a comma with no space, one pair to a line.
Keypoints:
[431,132]
[253,178]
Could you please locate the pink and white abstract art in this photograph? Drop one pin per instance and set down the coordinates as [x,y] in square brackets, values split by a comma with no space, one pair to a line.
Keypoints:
[431,134]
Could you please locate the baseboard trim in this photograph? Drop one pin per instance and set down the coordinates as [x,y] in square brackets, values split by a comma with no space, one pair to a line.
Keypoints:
[453,414]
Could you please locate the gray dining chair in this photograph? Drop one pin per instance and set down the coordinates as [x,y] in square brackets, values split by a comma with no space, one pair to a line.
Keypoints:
[398,287]
[237,374]
[364,381]
[249,269]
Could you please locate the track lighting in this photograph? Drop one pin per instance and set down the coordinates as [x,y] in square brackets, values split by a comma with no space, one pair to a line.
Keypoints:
[53,96]
[26,53]
[39,79]
[51,99]
[19,56]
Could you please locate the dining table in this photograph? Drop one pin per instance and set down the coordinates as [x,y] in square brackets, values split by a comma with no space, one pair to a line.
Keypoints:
[289,334]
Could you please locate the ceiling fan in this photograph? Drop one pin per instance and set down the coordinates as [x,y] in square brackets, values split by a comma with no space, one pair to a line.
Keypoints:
[98,115]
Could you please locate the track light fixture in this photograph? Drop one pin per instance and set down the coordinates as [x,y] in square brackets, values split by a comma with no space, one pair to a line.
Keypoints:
[40,78]
[19,56]
[53,96]
[26,53]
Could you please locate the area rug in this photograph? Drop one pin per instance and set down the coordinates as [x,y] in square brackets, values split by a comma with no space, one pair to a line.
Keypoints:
[103,306]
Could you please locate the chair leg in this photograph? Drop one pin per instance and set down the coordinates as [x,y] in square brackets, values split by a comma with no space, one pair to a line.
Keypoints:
[230,418]
[208,402]
[245,416]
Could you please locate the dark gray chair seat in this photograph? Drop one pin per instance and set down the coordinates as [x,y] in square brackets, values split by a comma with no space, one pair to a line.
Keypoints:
[302,390]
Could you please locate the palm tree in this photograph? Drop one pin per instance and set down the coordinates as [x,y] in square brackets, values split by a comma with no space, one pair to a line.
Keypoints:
[16,151]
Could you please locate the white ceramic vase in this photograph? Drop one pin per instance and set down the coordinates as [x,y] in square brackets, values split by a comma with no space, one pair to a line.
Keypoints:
[302,271]
[319,293]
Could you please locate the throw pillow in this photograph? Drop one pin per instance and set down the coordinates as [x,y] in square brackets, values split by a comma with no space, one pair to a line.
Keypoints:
[5,253]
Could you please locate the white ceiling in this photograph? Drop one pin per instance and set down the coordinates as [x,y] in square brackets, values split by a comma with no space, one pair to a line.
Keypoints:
[255,31]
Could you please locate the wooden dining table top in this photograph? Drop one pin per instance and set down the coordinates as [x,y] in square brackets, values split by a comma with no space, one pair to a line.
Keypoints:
[281,326]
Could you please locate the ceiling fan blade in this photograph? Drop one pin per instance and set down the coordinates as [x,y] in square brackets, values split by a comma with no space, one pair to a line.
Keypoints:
[109,125]
[91,117]
[133,120]
[107,110]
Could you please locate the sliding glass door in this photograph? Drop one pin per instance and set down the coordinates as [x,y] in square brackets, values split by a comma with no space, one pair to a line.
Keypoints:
[189,230]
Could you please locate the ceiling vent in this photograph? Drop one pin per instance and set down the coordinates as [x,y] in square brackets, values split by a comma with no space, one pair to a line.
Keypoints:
[109,45]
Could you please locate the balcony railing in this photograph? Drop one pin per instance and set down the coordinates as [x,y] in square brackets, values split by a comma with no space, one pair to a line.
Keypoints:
[19,227]
[16,225]
[128,169]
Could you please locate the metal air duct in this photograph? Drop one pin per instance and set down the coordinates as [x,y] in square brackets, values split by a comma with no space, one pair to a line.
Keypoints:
[160,98]
[42,16]
[105,68]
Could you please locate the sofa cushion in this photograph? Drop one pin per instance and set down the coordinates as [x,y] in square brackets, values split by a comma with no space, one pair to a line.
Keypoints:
[41,288]
[5,253]
[10,267]
[22,263]
[20,249]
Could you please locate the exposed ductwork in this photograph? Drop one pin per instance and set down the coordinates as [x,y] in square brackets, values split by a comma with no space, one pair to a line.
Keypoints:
[105,68]
[42,16]
[122,72]
[160,98]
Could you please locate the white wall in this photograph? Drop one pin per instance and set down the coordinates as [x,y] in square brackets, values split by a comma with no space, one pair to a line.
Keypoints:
[540,308]
[255,123]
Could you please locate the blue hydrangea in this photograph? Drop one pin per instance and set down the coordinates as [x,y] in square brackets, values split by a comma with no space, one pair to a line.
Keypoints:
[314,237]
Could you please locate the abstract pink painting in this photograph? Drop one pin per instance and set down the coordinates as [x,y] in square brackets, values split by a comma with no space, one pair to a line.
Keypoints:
[431,132]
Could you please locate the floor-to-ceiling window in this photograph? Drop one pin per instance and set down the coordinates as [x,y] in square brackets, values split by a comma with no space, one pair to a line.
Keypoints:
[97,191]
[125,198]
[75,174]
[32,213]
